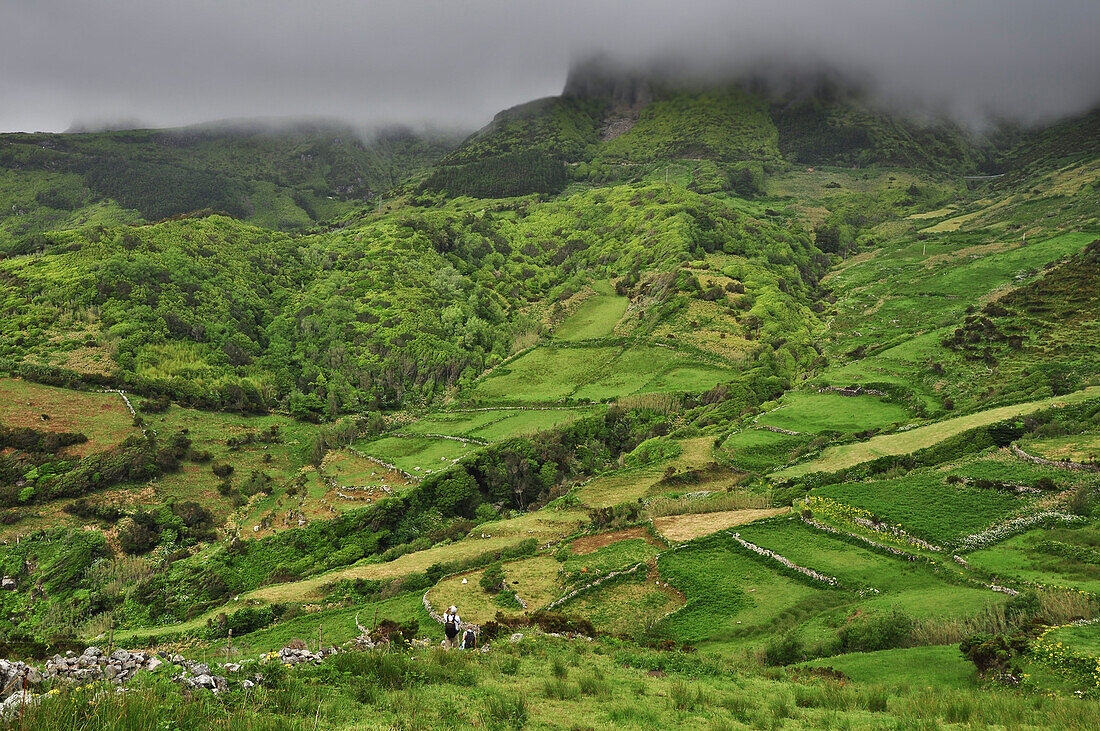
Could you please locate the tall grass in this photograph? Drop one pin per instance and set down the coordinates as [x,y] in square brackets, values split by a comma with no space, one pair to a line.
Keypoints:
[735,500]
[1055,607]
[952,630]
[665,403]
[151,707]
[524,340]
[506,709]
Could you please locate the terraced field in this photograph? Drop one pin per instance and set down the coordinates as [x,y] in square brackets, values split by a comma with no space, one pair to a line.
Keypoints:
[1058,557]
[439,439]
[933,666]
[803,411]
[595,317]
[839,457]
[549,374]
[730,596]
[913,587]
[545,527]
[926,506]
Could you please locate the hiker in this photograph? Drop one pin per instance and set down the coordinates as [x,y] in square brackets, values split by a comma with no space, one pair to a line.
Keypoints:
[469,639]
[451,622]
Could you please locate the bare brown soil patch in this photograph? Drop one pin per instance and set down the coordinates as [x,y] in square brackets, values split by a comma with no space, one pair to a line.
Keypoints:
[102,417]
[693,525]
[590,544]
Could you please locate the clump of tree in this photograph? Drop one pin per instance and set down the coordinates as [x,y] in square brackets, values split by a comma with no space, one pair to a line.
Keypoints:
[503,176]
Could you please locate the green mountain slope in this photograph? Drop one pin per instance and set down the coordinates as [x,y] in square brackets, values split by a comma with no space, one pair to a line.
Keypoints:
[281,178]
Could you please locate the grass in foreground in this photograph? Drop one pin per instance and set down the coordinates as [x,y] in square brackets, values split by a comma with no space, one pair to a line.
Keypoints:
[547,683]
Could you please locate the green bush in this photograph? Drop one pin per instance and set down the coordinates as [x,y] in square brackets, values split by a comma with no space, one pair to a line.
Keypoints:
[492,579]
[875,631]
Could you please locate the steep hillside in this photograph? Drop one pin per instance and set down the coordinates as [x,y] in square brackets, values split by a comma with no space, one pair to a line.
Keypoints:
[620,126]
[278,177]
[396,309]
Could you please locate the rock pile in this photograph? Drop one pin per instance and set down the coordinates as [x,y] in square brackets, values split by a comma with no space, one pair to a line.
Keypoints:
[94,665]
[296,656]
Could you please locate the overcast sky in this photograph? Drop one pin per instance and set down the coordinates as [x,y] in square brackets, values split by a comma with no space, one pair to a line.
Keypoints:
[455,63]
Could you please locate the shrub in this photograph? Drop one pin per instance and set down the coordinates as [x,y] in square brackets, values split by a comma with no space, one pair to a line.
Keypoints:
[993,652]
[876,632]
[492,579]
[784,649]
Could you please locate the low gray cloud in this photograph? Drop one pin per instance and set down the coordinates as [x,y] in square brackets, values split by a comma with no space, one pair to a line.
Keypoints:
[455,63]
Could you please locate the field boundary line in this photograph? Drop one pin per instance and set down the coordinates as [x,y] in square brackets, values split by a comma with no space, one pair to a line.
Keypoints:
[845,456]
[581,589]
[387,465]
[768,553]
[464,440]
[1063,463]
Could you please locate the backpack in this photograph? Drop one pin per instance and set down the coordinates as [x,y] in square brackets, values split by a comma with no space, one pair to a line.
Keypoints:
[450,628]
[469,640]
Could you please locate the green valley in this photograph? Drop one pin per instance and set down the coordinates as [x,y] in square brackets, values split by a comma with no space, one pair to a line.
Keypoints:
[711,404]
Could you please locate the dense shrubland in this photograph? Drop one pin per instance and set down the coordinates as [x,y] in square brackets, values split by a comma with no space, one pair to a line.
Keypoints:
[215,313]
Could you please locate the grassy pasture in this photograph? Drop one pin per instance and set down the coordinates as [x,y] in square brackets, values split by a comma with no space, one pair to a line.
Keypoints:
[454,423]
[496,424]
[690,526]
[626,607]
[102,417]
[1003,466]
[1075,447]
[935,666]
[544,374]
[632,483]
[690,378]
[534,579]
[803,411]
[545,526]
[926,506]
[905,364]
[416,455]
[1034,556]
[938,213]
[334,626]
[1084,640]
[519,423]
[760,450]
[597,374]
[847,455]
[586,567]
[911,587]
[352,470]
[631,372]
[729,596]
[619,487]
[595,317]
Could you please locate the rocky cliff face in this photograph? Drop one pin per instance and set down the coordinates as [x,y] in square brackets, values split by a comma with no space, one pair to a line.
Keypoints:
[601,78]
